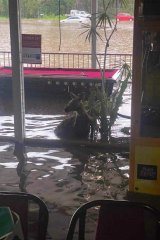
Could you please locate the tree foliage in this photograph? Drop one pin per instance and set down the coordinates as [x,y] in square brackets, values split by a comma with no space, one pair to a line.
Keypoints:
[3,8]
[34,8]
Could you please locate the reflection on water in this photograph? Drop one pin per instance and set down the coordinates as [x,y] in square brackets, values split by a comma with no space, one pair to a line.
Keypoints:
[65,178]
[106,176]
[79,174]
[9,165]
[43,115]
[50,156]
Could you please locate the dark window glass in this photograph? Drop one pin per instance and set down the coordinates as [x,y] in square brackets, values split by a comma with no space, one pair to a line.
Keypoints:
[151,7]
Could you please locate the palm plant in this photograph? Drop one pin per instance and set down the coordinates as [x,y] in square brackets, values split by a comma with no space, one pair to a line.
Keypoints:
[108,105]
[97,102]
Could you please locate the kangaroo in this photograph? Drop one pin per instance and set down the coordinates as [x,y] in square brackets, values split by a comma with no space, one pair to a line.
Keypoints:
[79,124]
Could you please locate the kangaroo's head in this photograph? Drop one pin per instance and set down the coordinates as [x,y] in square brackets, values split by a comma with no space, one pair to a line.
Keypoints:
[75,104]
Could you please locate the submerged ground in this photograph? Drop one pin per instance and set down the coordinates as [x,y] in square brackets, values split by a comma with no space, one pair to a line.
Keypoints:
[65,178]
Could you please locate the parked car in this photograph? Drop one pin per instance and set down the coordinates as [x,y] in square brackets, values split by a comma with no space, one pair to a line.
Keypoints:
[124,17]
[75,19]
[79,13]
[84,14]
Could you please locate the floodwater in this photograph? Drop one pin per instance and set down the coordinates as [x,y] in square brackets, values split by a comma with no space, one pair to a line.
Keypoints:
[48,112]
[63,177]
[72,37]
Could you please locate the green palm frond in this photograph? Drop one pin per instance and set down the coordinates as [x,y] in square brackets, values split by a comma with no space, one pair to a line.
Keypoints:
[103,20]
[99,105]
[118,95]
[90,31]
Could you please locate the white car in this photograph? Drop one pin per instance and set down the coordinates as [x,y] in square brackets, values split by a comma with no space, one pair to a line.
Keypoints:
[75,19]
[79,13]
[84,14]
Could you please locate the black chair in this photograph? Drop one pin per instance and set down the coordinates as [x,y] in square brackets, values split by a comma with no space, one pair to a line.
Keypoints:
[32,211]
[114,220]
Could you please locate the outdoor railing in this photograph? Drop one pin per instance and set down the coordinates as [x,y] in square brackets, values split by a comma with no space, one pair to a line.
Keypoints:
[71,60]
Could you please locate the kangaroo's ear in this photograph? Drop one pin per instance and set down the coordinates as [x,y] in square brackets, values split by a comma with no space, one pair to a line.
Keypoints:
[73,96]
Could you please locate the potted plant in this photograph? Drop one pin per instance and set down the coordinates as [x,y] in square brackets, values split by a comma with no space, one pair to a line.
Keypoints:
[107,106]
[99,105]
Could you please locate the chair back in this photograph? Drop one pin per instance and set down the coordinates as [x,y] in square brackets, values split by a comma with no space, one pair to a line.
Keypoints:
[112,220]
[32,211]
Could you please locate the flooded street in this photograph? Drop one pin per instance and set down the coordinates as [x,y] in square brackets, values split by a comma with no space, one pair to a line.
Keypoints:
[72,37]
[63,177]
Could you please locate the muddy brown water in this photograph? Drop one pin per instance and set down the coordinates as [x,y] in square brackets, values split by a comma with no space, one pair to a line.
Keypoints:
[72,37]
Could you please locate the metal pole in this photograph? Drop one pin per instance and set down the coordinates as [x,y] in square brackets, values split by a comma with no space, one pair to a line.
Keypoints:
[94,10]
[17,71]
[18,89]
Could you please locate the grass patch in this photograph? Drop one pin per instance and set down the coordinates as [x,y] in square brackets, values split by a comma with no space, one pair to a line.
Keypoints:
[52,17]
